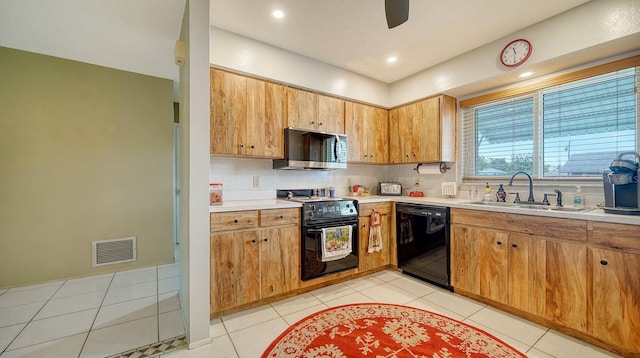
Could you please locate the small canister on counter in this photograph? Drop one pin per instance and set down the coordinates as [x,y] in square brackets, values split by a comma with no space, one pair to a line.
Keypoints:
[215,194]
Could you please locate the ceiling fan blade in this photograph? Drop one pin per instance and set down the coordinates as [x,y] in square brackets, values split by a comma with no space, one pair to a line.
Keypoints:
[397,12]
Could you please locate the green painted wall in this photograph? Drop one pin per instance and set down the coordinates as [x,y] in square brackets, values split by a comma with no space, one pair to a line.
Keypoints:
[85,154]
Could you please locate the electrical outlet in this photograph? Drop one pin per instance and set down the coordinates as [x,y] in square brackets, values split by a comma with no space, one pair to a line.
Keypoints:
[256,181]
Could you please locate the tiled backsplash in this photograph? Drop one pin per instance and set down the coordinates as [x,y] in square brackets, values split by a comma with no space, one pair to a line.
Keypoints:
[237,174]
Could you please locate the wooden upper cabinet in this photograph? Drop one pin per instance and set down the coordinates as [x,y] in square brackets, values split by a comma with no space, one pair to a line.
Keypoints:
[308,110]
[423,132]
[367,130]
[247,116]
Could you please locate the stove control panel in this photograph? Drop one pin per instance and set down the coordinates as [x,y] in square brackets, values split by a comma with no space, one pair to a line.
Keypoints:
[329,209]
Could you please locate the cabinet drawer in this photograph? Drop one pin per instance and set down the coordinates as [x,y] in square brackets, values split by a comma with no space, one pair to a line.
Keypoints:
[366,209]
[275,217]
[616,236]
[234,220]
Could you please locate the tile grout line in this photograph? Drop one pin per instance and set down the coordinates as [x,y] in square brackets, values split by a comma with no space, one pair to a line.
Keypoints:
[97,313]
[30,320]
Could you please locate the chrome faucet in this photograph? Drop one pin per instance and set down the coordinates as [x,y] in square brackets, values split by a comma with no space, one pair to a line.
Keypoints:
[531,199]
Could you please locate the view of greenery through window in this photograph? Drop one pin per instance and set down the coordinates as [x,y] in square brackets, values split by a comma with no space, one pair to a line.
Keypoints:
[571,130]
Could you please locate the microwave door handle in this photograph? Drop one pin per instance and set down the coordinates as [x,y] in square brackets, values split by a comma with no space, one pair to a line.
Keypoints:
[337,148]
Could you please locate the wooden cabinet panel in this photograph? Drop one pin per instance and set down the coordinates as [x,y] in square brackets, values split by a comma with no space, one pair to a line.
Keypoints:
[330,114]
[423,132]
[308,110]
[367,130]
[233,220]
[247,116]
[566,284]
[275,217]
[465,259]
[615,308]
[228,111]
[234,264]
[266,118]
[279,265]
[616,236]
[493,267]
[526,273]
[302,108]
[369,261]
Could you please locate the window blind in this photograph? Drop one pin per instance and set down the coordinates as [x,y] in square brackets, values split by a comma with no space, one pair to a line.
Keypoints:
[570,130]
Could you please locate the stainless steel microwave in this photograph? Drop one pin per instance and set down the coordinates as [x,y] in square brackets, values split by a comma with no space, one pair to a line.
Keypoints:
[309,150]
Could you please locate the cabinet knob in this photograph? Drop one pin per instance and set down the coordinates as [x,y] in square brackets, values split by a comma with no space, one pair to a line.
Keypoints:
[313,122]
[254,241]
[241,145]
[364,225]
[371,156]
[235,221]
[603,262]
[281,216]
[265,239]
[253,146]
[320,123]
[514,245]
[499,242]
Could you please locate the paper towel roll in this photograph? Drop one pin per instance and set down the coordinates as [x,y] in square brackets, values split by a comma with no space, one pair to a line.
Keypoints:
[429,168]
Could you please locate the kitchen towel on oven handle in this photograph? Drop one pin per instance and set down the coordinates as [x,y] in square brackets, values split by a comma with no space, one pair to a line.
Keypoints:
[336,242]
[375,232]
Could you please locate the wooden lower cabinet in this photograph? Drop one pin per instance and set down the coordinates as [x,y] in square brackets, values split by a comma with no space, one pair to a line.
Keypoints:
[371,261]
[615,306]
[250,264]
[566,284]
[579,277]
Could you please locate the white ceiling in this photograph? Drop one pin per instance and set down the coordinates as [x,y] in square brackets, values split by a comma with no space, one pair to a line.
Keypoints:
[353,34]
[139,35]
[131,35]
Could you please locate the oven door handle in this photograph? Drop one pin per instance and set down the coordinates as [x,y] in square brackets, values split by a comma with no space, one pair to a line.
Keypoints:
[314,230]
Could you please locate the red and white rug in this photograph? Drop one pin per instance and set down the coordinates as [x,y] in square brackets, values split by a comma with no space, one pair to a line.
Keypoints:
[384,330]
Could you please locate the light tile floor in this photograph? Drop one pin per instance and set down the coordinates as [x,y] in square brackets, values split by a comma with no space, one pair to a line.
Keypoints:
[246,334]
[94,316]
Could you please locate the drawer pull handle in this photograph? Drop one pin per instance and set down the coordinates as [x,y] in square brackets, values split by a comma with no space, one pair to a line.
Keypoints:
[514,245]
[603,262]
[499,242]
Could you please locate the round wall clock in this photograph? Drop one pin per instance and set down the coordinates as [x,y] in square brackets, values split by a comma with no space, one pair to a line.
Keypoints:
[516,53]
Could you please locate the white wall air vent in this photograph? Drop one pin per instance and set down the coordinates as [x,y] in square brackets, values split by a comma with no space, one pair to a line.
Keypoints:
[116,251]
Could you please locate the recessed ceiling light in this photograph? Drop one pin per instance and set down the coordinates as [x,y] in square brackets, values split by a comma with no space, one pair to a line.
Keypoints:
[526,74]
[392,59]
[278,14]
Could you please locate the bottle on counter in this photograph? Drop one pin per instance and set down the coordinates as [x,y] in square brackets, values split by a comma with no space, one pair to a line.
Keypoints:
[578,199]
[487,193]
[501,195]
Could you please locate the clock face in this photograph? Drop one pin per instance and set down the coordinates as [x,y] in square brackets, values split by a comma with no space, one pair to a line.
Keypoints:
[516,53]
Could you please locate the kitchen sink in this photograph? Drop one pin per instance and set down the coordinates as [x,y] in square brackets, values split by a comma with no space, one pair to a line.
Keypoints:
[533,206]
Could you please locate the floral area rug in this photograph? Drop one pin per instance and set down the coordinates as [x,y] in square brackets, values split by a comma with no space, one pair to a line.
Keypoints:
[384,330]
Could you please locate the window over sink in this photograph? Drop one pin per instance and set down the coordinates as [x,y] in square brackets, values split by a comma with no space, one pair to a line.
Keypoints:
[570,129]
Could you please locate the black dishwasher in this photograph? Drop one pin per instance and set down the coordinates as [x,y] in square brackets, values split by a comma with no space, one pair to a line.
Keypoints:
[423,242]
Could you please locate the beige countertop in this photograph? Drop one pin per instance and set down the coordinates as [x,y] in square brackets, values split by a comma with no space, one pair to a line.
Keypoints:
[594,214]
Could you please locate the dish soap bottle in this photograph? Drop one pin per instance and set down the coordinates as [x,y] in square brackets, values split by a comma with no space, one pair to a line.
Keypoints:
[501,195]
[578,199]
[487,193]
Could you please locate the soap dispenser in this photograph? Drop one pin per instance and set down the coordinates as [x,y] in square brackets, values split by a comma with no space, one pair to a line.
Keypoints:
[501,195]
[578,199]
[487,193]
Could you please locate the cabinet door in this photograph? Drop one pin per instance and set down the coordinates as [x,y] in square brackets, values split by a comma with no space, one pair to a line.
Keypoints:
[266,118]
[378,137]
[355,129]
[330,114]
[302,109]
[465,258]
[615,308]
[370,261]
[235,269]
[279,260]
[400,135]
[566,284]
[228,112]
[493,267]
[427,131]
[526,274]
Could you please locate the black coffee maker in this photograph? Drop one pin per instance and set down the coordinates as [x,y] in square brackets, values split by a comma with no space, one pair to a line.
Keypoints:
[620,182]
